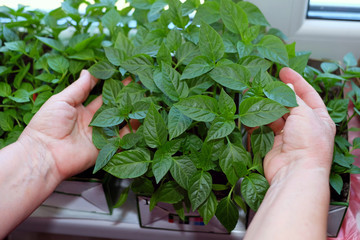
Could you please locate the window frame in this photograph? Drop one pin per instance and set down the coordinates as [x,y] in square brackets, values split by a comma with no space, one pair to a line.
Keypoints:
[326,39]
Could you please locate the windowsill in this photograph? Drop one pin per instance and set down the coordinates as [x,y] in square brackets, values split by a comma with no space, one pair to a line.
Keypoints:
[328,39]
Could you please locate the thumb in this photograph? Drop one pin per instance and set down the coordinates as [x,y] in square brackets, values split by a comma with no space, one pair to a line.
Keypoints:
[79,90]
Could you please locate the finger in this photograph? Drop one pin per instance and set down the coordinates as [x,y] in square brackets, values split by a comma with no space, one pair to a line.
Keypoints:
[277,126]
[135,124]
[78,91]
[125,130]
[94,105]
[126,81]
[302,88]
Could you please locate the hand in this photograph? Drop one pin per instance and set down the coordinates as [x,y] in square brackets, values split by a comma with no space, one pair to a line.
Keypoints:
[305,136]
[61,128]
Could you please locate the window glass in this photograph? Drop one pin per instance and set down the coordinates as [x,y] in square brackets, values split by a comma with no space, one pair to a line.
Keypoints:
[334,9]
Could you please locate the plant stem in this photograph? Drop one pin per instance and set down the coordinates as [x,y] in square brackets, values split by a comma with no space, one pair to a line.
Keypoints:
[128,123]
[232,189]
[9,106]
[342,89]
[347,122]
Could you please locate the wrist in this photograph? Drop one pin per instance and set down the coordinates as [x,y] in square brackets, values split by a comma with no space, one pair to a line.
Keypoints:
[302,169]
[38,158]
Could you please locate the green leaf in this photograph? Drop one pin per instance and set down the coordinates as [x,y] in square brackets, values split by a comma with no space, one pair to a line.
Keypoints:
[199,85]
[147,79]
[9,34]
[82,42]
[262,140]
[328,67]
[255,64]
[210,43]
[155,132]
[191,142]
[227,213]
[169,192]
[21,75]
[177,122]
[46,77]
[19,46]
[55,44]
[350,60]
[76,66]
[87,54]
[111,19]
[114,55]
[299,62]
[251,34]
[199,108]
[199,188]
[5,89]
[220,128]
[244,49]
[156,9]
[142,186]
[138,64]
[281,93]
[107,118]
[253,189]
[6,122]
[336,182]
[233,16]
[128,164]
[210,150]
[342,143]
[189,6]
[356,143]
[233,76]
[102,70]
[208,208]
[123,197]
[273,48]
[110,91]
[338,109]
[343,160]
[3,70]
[240,202]
[170,83]
[59,64]
[124,44]
[182,170]
[186,53]
[197,67]
[105,154]
[164,55]
[141,4]
[99,137]
[161,164]
[20,96]
[130,140]
[140,109]
[227,106]
[208,12]
[254,14]
[173,40]
[328,76]
[233,161]
[175,14]
[256,111]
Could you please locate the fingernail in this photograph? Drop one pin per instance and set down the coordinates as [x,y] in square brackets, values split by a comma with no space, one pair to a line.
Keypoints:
[82,72]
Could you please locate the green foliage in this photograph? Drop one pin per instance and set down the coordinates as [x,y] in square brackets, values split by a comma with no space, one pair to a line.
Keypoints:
[196,88]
